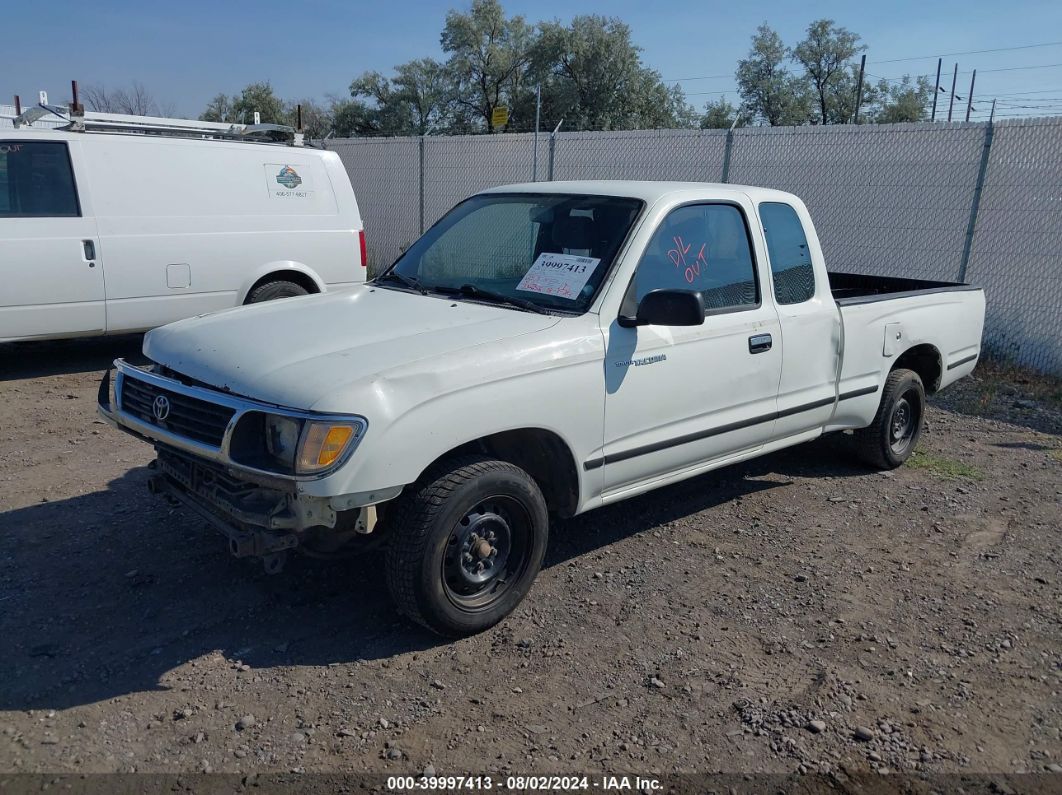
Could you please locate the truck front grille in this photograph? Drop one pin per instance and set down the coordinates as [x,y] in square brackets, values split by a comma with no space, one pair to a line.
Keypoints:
[185,416]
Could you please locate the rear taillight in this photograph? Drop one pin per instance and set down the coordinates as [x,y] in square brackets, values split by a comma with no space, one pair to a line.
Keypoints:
[361,246]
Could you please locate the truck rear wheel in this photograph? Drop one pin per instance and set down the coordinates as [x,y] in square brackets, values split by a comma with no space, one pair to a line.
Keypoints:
[891,438]
[467,541]
[273,290]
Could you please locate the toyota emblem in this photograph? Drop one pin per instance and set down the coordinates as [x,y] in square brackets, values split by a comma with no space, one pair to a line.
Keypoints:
[161,407]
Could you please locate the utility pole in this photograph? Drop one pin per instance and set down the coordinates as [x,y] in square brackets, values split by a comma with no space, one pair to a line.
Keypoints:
[936,90]
[992,115]
[538,115]
[969,99]
[951,99]
[859,87]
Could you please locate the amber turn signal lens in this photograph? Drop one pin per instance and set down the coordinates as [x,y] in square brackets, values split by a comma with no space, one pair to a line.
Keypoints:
[322,445]
[334,444]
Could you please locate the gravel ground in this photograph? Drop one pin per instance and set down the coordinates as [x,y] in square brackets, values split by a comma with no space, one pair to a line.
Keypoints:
[794,614]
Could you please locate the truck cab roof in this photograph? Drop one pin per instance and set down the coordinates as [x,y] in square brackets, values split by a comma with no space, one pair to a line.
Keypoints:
[648,191]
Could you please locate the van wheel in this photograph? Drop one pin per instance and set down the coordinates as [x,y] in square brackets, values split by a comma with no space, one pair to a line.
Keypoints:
[467,541]
[278,289]
[891,438]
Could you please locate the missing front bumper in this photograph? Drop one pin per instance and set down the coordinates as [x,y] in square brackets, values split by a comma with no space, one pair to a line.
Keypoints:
[251,531]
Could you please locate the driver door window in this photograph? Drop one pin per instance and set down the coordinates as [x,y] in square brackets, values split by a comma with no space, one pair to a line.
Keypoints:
[701,247]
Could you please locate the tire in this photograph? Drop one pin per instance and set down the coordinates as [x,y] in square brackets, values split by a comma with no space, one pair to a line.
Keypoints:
[270,291]
[462,514]
[891,438]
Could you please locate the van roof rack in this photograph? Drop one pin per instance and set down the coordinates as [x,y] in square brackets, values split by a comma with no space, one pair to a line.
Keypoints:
[95,122]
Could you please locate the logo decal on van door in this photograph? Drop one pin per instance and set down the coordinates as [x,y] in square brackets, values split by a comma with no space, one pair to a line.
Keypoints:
[284,182]
[289,178]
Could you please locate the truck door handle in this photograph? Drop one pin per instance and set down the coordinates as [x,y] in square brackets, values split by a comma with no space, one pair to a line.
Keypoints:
[90,252]
[758,343]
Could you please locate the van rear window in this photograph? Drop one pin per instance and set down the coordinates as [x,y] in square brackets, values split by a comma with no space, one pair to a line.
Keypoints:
[36,180]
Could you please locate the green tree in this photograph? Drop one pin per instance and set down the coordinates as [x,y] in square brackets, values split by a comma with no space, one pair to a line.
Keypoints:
[488,58]
[826,54]
[425,87]
[219,109]
[413,102]
[594,78]
[384,112]
[351,117]
[770,93]
[259,97]
[241,108]
[907,100]
[721,115]
[316,119]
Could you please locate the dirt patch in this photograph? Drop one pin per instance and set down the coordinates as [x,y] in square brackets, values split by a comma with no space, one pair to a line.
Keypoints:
[797,613]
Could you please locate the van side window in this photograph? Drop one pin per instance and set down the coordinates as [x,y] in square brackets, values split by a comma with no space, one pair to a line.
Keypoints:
[701,247]
[787,248]
[36,180]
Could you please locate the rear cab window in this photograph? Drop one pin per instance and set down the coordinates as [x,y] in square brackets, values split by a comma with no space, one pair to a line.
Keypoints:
[787,249]
[36,180]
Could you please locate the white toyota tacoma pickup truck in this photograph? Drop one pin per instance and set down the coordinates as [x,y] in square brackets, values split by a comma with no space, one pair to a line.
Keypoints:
[543,350]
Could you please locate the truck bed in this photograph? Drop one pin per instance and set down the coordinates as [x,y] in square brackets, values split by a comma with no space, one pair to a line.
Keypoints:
[858,288]
[883,317]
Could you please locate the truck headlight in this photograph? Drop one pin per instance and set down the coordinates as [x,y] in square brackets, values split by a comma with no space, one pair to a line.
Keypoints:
[282,439]
[292,445]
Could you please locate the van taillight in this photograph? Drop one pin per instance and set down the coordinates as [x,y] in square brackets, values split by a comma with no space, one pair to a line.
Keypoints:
[361,245]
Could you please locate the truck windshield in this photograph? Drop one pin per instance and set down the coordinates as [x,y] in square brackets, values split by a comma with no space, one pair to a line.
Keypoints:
[525,251]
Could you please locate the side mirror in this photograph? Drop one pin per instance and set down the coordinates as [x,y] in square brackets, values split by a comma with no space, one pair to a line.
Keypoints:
[667,308]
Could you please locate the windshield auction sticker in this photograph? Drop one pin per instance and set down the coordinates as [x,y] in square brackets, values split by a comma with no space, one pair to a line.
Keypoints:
[561,275]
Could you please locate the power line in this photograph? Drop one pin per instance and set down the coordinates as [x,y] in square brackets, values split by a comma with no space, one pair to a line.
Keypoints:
[1056,107]
[973,52]
[911,58]
[702,77]
[912,78]
[1023,115]
[1035,91]
[966,72]
[705,93]
[1018,68]
[1012,100]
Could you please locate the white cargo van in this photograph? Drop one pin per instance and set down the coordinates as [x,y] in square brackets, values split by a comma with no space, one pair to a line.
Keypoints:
[111,226]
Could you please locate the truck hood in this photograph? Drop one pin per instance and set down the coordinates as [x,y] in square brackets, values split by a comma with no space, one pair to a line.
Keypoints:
[295,352]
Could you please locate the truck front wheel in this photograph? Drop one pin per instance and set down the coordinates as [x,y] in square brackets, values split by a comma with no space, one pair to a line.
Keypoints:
[891,438]
[467,541]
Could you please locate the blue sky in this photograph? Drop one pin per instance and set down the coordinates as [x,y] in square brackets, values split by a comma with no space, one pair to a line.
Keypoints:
[186,51]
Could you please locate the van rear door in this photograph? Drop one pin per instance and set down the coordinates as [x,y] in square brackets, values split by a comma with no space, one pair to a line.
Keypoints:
[51,277]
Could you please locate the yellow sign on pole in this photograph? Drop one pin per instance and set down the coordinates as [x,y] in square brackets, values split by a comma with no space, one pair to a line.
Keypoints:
[500,117]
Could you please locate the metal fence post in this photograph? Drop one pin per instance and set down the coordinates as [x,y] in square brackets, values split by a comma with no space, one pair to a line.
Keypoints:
[729,146]
[726,154]
[553,147]
[421,181]
[975,206]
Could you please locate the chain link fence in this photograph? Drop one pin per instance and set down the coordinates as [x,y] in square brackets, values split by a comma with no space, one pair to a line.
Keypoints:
[974,202]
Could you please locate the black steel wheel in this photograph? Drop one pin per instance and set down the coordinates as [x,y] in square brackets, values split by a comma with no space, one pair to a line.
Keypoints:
[487,552]
[467,541]
[903,422]
[891,438]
